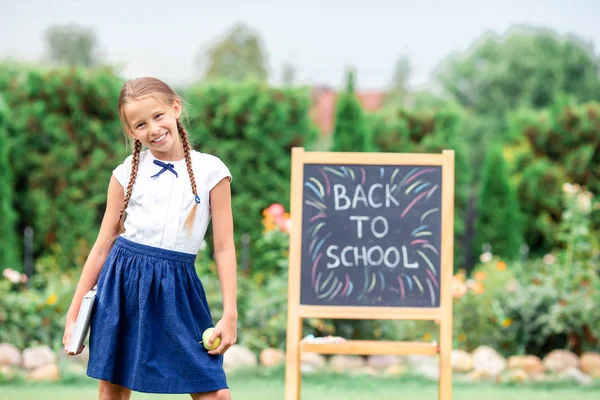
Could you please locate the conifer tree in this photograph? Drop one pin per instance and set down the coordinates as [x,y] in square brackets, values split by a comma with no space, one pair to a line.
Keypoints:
[499,218]
[350,133]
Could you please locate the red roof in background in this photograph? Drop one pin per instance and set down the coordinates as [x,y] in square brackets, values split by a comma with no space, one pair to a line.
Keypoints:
[323,109]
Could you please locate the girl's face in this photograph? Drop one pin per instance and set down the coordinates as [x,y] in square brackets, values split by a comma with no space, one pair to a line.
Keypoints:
[154,123]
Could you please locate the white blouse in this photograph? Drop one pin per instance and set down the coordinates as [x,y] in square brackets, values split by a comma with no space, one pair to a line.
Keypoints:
[159,205]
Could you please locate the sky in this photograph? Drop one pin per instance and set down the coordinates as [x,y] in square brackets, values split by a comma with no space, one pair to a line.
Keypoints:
[320,38]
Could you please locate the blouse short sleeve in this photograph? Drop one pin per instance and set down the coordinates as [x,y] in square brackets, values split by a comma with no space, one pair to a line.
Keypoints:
[122,172]
[218,171]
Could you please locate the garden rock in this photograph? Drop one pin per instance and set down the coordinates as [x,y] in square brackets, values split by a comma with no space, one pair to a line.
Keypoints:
[384,362]
[416,361]
[368,371]
[429,371]
[81,359]
[530,364]
[271,357]
[7,372]
[595,374]
[590,362]
[561,360]
[47,372]
[461,361]
[343,363]
[312,362]
[395,370]
[514,376]
[575,374]
[9,355]
[38,356]
[488,361]
[238,356]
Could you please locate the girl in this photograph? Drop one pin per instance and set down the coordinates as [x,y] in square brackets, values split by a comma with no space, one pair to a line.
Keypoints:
[151,308]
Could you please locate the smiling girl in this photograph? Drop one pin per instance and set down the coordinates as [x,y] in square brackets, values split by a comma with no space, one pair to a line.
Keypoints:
[151,309]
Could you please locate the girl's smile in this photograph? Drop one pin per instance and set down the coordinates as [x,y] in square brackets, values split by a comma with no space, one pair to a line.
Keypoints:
[154,123]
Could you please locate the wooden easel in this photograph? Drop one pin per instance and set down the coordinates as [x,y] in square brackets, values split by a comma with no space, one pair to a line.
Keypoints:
[298,311]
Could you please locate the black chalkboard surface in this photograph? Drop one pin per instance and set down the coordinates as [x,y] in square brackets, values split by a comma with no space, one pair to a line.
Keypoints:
[371,235]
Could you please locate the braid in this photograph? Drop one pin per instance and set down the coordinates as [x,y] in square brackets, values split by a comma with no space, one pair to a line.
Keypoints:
[135,162]
[189,222]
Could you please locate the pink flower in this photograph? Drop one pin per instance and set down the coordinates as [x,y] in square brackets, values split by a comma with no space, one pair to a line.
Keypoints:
[11,275]
[276,210]
[287,226]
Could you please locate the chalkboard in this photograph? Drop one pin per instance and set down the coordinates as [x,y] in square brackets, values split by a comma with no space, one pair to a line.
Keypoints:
[371,235]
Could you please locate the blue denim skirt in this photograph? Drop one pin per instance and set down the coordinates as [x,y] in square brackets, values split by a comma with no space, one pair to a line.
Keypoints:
[147,323]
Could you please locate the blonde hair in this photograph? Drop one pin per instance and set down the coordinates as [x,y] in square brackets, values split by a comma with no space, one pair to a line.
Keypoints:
[136,89]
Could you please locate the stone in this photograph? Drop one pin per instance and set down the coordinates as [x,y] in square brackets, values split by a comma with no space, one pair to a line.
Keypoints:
[395,370]
[539,377]
[343,363]
[514,376]
[47,372]
[462,361]
[561,360]
[271,357]
[383,362]
[589,362]
[38,356]
[530,364]
[312,362]
[575,374]
[7,373]
[595,374]
[477,376]
[488,361]
[9,355]
[428,371]
[420,360]
[366,370]
[238,356]
[81,359]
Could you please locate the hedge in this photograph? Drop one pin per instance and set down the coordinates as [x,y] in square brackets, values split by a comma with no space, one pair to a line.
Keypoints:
[252,127]
[549,148]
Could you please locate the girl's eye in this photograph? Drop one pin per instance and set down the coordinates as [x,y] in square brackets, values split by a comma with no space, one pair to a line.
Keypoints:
[139,126]
[159,116]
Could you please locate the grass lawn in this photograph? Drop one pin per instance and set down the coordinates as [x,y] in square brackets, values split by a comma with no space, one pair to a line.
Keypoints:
[270,386]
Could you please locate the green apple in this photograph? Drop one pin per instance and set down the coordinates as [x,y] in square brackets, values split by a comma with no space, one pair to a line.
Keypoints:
[206,337]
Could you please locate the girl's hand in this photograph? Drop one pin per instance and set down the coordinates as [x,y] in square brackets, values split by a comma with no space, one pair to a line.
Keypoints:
[67,337]
[226,329]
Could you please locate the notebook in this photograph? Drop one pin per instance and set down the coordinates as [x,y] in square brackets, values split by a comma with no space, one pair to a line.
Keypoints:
[82,325]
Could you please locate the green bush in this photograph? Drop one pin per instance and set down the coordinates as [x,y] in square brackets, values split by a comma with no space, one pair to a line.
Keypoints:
[66,139]
[548,148]
[34,315]
[9,252]
[498,213]
[252,128]
[540,305]
[429,131]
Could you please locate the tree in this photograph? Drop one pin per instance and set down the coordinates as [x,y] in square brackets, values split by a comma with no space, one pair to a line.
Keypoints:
[498,215]
[399,92]
[238,56]
[8,245]
[72,45]
[288,74]
[350,133]
[527,67]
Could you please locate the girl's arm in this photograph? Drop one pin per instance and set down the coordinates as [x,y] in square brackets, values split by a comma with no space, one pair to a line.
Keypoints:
[225,257]
[98,254]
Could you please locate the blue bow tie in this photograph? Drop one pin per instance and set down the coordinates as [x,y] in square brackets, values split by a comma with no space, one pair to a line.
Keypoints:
[165,167]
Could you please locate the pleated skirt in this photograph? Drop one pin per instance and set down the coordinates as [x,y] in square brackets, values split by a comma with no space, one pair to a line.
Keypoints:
[147,323]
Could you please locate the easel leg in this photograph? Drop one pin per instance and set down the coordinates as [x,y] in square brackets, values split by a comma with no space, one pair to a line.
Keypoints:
[445,383]
[292,364]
